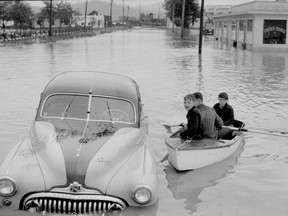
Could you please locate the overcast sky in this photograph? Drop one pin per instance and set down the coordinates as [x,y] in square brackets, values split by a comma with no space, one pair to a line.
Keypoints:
[206,2]
[147,2]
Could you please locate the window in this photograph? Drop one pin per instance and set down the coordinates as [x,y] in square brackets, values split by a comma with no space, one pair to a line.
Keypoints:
[66,106]
[233,25]
[249,25]
[74,114]
[274,32]
[75,107]
[112,109]
[241,25]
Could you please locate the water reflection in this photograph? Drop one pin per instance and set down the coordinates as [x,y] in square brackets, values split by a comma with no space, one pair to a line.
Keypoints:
[200,76]
[52,59]
[189,40]
[147,211]
[188,185]
[222,45]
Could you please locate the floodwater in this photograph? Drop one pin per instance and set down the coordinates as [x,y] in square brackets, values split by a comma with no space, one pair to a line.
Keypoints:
[252,182]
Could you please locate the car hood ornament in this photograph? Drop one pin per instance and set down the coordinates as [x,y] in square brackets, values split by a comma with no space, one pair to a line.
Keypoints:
[75,187]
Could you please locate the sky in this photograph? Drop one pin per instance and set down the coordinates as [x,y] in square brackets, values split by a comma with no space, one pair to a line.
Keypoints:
[206,2]
[147,2]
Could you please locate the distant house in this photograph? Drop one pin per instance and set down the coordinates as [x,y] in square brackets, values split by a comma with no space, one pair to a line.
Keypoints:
[94,19]
[55,24]
[6,23]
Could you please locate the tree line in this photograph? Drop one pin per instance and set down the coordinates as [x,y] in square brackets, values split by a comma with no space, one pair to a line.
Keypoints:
[22,15]
[174,7]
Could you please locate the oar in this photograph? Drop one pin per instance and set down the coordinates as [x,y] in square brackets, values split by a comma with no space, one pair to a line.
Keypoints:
[281,134]
[168,127]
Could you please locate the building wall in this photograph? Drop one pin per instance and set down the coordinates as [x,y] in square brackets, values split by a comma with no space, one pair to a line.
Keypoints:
[94,21]
[259,25]
[245,25]
[255,6]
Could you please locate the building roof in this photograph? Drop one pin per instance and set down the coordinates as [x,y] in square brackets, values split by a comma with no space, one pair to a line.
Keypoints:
[216,9]
[93,13]
[257,7]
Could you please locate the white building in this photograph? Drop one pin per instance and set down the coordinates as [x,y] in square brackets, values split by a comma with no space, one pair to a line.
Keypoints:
[6,23]
[94,19]
[217,9]
[253,25]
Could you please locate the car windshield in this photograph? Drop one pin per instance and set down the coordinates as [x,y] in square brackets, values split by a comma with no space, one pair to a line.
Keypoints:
[77,114]
[101,109]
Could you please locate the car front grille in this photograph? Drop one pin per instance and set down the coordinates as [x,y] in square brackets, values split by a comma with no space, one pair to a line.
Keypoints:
[70,203]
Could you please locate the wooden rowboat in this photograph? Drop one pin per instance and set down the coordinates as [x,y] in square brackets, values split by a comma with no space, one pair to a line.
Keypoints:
[200,153]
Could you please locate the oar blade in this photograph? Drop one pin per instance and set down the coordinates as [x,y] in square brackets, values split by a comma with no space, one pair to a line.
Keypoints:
[168,128]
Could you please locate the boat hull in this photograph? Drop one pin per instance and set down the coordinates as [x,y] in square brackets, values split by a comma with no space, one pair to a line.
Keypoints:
[200,153]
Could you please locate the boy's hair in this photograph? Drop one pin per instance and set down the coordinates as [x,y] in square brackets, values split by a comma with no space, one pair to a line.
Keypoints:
[198,95]
[189,97]
[223,95]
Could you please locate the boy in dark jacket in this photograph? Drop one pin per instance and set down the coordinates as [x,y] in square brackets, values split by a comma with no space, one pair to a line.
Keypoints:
[224,110]
[212,123]
[193,129]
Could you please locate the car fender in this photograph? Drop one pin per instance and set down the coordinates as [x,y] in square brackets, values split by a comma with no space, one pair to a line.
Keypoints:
[113,155]
[141,169]
[22,166]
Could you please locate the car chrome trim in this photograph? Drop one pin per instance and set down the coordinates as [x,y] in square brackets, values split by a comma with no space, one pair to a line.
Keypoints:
[139,187]
[93,120]
[79,203]
[13,182]
[75,188]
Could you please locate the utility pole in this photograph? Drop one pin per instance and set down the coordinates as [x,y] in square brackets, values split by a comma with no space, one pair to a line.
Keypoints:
[159,12]
[183,18]
[173,14]
[123,12]
[140,10]
[201,27]
[111,3]
[50,20]
[127,13]
[85,15]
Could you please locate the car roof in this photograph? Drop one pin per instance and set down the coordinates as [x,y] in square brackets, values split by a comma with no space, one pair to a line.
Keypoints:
[100,83]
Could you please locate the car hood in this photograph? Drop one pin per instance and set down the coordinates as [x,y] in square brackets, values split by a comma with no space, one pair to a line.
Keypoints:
[66,160]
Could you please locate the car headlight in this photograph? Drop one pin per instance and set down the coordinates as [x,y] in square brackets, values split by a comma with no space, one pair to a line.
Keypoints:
[142,195]
[7,186]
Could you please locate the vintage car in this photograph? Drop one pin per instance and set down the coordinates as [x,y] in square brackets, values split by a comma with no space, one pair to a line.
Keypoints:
[88,150]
